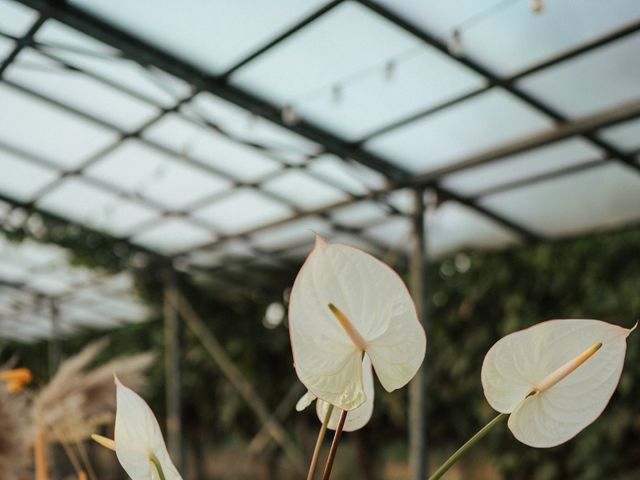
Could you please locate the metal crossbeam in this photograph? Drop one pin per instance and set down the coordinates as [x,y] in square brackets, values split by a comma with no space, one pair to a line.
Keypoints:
[146,54]
[508,84]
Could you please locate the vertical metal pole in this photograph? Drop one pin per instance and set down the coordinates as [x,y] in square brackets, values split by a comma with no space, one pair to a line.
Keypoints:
[54,338]
[418,464]
[172,372]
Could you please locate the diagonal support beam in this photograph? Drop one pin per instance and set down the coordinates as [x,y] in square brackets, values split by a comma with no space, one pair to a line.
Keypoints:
[236,378]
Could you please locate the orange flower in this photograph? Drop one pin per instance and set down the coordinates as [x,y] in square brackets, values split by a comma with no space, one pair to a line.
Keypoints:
[16,379]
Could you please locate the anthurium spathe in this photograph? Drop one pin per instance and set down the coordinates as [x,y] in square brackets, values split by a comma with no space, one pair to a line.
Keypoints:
[138,440]
[554,378]
[345,303]
[356,418]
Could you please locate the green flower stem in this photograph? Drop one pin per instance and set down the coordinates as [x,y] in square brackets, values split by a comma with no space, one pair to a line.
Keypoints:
[156,463]
[467,446]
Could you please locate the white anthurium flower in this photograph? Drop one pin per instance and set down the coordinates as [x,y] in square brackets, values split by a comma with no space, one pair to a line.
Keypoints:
[344,303]
[356,418]
[554,378]
[138,440]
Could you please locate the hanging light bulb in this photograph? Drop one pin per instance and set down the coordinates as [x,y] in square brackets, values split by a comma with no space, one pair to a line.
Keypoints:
[336,94]
[390,70]
[289,115]
[455,43]
[536,6]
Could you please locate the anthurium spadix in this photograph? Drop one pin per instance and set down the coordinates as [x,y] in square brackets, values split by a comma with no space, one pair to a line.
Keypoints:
[554,378]
[345,303]
[138,440]
[356,418]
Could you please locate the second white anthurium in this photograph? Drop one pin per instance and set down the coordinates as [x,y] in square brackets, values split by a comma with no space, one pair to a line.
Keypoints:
[554,378]
[356,418]
[345,303]
[138,440]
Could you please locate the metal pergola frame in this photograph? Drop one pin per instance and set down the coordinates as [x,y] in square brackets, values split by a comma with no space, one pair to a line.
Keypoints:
[397,178]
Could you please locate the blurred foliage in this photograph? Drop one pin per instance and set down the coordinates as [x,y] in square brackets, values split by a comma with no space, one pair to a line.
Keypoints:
[476,298]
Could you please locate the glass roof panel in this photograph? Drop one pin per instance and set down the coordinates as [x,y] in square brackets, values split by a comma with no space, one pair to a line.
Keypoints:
[220,253]
[22,179]
[15,19]
[150,173]
[303,191]
[96,57]
[6,46]
[485,24]
[625,136]
[48,131]
[79,91]
[346,174]
[174,235]
[248,127]
[604,197]
[77,200]
[392,234]
[243,210]
[360,214]
[525,165]
[468,128]
[423,80]
[608,77]
[210,34]
[292,234]
[342,43]
[454,227]
[239,161]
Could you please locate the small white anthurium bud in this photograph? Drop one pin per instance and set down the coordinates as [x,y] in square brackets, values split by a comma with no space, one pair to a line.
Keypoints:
[345,303]
[356,418]
[139,444]
[554,378]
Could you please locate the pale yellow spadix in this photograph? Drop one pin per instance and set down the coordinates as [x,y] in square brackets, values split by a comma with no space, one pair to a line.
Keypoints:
[345,302]
[356,418]
[138,440]
[554,378]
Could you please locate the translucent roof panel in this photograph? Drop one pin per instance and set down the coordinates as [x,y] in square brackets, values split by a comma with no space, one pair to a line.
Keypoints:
[522,166]
[532,38]
[625,136]
[246,126]
[81,202]
[97,58]
[22,179]
[146,172]
[79,91]
[347,49]
[424,79]
[243,210]
[211,34]
[46,277]
[393,233]
[454,227]
[293,234]
[470,127]
[35,126]
[174,235]
[607,79]
[303,191]
[599,198]
[340,44]
[15,19]
[345,174]
[6,46]
[360,214]
[234,159]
